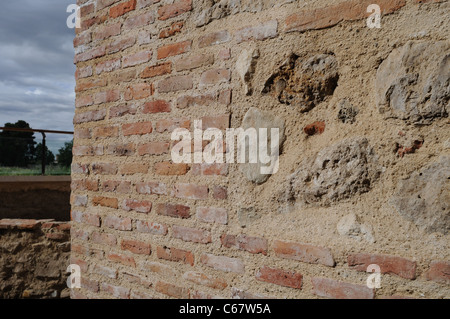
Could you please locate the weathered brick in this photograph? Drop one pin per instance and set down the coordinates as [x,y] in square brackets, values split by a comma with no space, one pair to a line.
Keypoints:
[223,263]
[91,285]
[159,106]
[107,96]
[215,76]
[82,150]
[439,272]
[141,206]
[107,31]
[83,101]
[80,262]
[174,49]
[205,280]
[104,168]
[159,268]
[171,210]
[105,201]
[329,288]
[120,44]
[138,21]
[122,8]
[151,228]
[138,91]
[79,200]
[123,76]
[280,277]
[133,168]
[156,188]
[136,247]
[224,54]
[399,266]
[116,291]
[254,245]
[122,259]
[156,70]
[176,255]
[103,238]
[117,223]
[77,168]
[90,55]
[140,128]
[105,131]
[122,110]
[84,72]
[136,58]
[154,148]
[105,271]
[172,290]
[82,38]
[145,3]
[212,215]
[85,218]
[168,168]
[197,100]
[210,169]
[220,192]
[175,9]
[127,149]
[101,4]
[172,30]
[122,187]
[175,83]
[190,191]
[90,84]
[191,234]
[107,66]
[304,253]
[89,116]
[168,125]
[260,32]
[214,38]
[193,62]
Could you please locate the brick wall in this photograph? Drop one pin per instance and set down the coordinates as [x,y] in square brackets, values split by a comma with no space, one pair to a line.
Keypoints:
[145,227]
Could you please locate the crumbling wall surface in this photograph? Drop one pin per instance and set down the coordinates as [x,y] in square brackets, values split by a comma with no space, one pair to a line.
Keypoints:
[34,256]
[363,175]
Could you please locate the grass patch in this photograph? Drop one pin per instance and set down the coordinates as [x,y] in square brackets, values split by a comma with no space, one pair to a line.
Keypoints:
[34,170]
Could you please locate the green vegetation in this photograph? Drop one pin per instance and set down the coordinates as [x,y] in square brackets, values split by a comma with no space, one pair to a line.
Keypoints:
[34,170]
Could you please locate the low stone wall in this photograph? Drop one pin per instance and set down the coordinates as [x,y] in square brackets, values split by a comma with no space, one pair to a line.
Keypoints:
[35,197]
[34,255]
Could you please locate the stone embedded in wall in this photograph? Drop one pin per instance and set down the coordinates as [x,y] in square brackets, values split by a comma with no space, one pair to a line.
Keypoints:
[247,215]
[304,82]
[339,171]
[350,226]
[257,119]
[413,83]
[347,112]
[424,197]
[245,67]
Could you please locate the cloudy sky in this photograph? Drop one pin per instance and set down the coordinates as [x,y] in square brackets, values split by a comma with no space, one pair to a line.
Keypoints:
[36,66]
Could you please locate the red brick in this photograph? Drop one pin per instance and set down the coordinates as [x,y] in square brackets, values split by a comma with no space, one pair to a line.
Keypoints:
[122,8]
[159,268]
[101,4]
[254,245]
[314,128]
[220,192]
[224,54]
[193,62]
[174,49]
[399,266]
[127,149]
[439,272]
[90,84]
[107,66]
[151,228]
[124,260]
[156,70]
[191,234]
[122,187]
[77,168]
[107,96]
[159,106]
[136,58]
[104,168]
[141,206]
[87,9]
[105,271]
[172,30]
[168,125]
[172,290]
[117,223]
[105,131]
[133,168]
[170,210]
[86,218]
[91,285]
[140,128]
[215,76]
[86,184]
[120,44]
[304,253]
[168,168]
[82,73]
[105,201]
[116,291]
[82,150]
[107,31]
[122,76]
[90,55]
[122,110]
[136,247]
[190,191]
[223,263]
[260,32]
[154,148]
[212,215]
[214,38]
[329,288]
[83,101]
[82,38]
[205,280]
[89,116]
[210,169]
[139,21]
[138,91]
[175,9]
[176,255]
[79,234]
[103,238]
[151,188]
[198,100]
[175,83]
[280,277]
[80,262]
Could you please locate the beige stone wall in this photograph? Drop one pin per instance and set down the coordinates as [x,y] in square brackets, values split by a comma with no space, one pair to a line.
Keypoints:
[363,168]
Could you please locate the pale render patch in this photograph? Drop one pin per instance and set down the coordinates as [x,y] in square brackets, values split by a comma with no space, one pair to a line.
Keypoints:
[245,67]
[350,226]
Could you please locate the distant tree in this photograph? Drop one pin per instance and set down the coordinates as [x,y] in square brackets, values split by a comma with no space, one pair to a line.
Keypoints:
[65,154]
[49,157]
[17,148]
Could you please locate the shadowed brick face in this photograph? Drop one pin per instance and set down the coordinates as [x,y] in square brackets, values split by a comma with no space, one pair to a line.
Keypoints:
[145,226]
